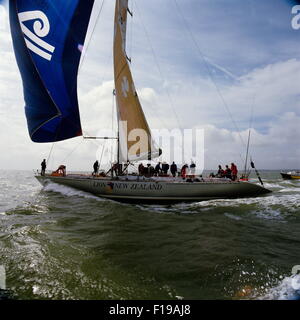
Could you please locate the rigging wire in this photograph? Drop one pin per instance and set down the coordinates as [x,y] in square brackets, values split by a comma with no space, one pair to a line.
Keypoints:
[159,119]
[112,126]
[69,154]
[108,59]
[91,35]
[216,86]
[103,148]
[249,135]
[247,152]
[131,33]
[79,68]
[158,65]
[50,153]
[53,144]
[208,69]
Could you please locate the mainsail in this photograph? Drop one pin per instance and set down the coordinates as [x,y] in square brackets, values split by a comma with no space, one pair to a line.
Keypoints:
[135,138]
[48,36]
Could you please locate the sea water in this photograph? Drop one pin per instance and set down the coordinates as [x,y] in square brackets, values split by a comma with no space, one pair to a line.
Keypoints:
[60,243]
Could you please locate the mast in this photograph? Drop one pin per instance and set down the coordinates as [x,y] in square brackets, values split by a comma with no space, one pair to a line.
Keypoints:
[131,118]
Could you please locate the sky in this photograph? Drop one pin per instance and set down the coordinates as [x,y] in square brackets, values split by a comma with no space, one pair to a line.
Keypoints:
[221,66]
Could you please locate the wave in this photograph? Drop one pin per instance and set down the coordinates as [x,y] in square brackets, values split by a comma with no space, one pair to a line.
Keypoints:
[30,208]
[288,289]
[291,182]
[291,186]
[266,201]
[232,216]
[275,207]
[290,190]
[270,185]
[69,191]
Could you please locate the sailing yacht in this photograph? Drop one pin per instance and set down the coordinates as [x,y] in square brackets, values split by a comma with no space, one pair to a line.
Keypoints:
[48,37]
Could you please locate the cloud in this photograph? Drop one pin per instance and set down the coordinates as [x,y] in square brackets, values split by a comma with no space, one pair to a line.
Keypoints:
[269,150]
[250,70]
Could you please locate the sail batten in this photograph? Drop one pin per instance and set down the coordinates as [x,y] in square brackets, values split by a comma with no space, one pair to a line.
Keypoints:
[134,125]
[46,36]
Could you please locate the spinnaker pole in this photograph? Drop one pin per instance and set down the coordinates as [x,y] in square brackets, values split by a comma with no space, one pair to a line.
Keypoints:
[257,173]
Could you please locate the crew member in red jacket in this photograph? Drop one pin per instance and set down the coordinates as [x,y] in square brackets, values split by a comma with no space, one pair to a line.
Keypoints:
[183,171]
[234,171]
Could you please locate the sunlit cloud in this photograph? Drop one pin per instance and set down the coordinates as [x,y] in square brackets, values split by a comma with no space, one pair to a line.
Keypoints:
[254,65]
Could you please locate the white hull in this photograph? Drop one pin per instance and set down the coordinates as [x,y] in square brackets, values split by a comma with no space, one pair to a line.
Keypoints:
[158,190]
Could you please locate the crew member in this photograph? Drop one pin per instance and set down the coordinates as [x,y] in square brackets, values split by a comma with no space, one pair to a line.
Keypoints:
[183,171]
[221,172]
[228,172]
[173,169]
[61,170]
[147,170]
[115,169]
[165,168]
[43,167]
[157,169]
[234,171]
[141,169]
[193,169]
[96,168]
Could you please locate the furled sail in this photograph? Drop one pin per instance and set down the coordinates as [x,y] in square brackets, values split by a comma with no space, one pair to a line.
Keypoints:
[48,36]
[135,138]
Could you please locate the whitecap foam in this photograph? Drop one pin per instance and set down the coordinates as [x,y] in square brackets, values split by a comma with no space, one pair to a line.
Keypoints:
[232,216]
[290,190]
[290,182]
[268,207]
[226,202]
[288,289]
[268,214]
[269,185]
[69,191]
